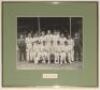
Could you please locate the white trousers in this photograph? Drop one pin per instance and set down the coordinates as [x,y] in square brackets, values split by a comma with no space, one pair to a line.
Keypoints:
[57,58]
[36,57]
[32,55]
[71,54]
[45,56]
[28,52]
[63,57]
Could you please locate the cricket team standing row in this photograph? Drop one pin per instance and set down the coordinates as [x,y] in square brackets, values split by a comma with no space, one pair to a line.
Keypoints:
[46,48]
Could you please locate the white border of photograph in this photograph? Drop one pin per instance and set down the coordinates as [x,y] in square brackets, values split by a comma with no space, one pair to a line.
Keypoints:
[58,65]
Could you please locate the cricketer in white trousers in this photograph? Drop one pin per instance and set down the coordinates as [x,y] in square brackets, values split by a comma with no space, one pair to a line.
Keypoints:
[28,48]
[34,50]
[55,48]
[45,48]
[57,54]
[63,50]
[36,53]
[63,54]
[43,53]
[48,38]
[70,50]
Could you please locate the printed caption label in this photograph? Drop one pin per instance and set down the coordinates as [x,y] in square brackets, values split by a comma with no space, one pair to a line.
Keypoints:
[50,76]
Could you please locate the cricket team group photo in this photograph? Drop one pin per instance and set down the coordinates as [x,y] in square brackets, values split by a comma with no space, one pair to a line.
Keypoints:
[49,40]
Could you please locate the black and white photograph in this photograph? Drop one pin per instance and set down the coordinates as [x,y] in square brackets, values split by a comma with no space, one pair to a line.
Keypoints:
[49,43]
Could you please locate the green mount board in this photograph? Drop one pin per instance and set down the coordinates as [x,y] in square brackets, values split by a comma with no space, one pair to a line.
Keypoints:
[87,76]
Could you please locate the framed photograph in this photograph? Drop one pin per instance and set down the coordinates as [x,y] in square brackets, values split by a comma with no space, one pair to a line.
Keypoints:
[50,43]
